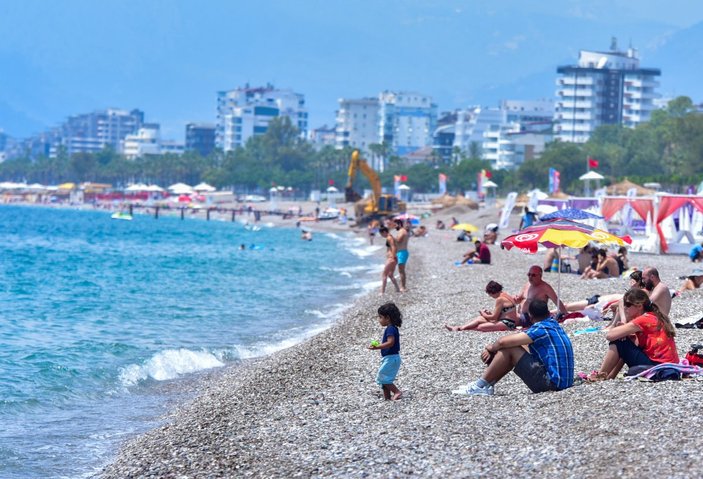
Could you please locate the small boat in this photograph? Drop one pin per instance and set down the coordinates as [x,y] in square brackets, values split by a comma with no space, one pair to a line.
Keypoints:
[119,215]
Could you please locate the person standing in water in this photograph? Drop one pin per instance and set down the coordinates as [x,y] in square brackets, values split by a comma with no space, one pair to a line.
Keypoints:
[401,240]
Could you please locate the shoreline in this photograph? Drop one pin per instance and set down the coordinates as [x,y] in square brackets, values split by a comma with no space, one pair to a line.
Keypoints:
[314,409]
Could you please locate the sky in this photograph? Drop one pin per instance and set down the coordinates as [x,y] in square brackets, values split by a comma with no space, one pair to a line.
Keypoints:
[169,58]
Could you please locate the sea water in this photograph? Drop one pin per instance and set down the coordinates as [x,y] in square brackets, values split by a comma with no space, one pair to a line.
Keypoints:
[104,322]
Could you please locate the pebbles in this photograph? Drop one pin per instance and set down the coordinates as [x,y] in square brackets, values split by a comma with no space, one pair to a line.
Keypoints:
[315,410]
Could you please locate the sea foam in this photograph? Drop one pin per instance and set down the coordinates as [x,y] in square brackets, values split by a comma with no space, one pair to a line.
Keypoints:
[168,364]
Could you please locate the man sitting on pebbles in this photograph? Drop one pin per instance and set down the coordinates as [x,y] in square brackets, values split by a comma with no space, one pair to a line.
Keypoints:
[536,289]
[548,364]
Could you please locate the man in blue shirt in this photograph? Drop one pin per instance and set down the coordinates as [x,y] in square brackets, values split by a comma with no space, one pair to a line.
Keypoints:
[541,356]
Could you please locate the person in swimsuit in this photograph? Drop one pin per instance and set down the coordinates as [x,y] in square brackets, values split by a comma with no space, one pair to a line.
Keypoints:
[606,267]
[391,260]
[536,288]
[402,255]
[502,318]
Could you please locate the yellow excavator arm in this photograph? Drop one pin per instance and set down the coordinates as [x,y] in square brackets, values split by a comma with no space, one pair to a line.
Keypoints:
[379,204]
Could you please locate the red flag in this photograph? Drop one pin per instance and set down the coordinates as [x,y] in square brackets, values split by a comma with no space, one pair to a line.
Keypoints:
[489,174]
[330,182]
[403,178]
[592,162]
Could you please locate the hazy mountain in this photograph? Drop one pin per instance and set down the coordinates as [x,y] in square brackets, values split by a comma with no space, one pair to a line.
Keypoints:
[170,62]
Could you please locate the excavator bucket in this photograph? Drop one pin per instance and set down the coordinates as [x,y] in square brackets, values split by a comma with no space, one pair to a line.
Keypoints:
[351,196]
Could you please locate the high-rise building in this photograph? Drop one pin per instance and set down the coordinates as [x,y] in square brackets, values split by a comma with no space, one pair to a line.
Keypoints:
[200,137]
[443,137]
[91,132]
[407,121]
[246,112]
[604,88]
[357,123]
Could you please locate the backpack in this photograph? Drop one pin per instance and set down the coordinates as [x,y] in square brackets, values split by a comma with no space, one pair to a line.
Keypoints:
[693,357]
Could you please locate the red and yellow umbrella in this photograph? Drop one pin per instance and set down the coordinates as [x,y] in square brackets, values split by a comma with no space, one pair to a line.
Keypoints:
[560,233]
[555,234]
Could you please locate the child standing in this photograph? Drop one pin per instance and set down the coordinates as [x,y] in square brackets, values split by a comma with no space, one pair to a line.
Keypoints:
[389,316]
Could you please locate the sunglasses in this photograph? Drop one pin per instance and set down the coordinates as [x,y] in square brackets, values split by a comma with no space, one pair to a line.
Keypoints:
[629,305]
[532,274]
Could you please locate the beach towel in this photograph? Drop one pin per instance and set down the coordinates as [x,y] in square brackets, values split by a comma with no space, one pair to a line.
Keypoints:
[665,371]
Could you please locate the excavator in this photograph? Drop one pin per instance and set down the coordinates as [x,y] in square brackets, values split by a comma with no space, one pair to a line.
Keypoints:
[378,205]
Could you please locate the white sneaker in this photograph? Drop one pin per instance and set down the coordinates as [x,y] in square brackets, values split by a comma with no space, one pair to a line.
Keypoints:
[474,390]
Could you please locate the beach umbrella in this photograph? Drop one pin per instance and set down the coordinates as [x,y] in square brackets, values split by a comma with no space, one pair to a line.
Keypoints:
[557,234]
[571,214]
[180,189]
[184,199]
[204,187]
[465,227]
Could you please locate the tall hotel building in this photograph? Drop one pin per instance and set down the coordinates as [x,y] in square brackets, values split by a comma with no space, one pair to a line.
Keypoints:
[605,88]
[407,121]
[357,123]
[246,112]
[91,132]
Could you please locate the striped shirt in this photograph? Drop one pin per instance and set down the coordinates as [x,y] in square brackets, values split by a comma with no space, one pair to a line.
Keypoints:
[552,347]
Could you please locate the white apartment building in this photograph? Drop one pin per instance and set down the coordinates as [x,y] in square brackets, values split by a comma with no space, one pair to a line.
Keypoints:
[357,123]
[91,132]
[407,121]
[246,112]
[147,141]
[323,136]
[532,115]
[604,88]
[473,122]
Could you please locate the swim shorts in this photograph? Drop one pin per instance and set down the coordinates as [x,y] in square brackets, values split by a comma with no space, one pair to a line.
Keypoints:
[389,369]
[533,374]
[402,256]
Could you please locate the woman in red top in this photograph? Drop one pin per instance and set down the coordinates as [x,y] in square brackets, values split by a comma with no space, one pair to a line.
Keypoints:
[646,339]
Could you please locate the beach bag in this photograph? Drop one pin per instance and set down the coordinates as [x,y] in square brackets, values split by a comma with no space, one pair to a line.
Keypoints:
[693,357]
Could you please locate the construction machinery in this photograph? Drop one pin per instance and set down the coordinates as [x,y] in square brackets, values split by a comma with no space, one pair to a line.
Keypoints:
[378,204]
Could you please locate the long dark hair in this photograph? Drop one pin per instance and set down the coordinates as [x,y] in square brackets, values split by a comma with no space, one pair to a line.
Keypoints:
[391,311]
[638,296]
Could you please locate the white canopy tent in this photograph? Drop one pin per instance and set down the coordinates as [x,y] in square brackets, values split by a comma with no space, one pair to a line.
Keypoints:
[181,189]
[204,188]
[587,177]
[136,187]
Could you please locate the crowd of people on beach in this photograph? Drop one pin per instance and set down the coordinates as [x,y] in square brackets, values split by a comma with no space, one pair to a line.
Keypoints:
[639,333]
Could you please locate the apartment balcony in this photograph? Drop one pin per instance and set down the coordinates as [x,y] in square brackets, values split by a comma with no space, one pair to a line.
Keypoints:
[568,104]
[573,138]
[637,83]
[569,81]
[579,93]
[576,127]
[569,116]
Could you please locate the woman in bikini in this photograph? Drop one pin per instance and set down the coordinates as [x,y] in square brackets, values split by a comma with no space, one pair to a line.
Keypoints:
[391,260]
[502,318]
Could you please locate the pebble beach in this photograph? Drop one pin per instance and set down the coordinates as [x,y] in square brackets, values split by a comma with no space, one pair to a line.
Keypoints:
[314,410]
